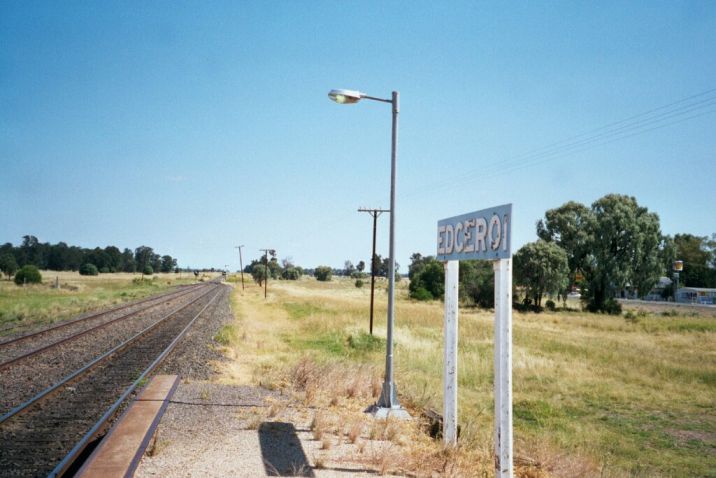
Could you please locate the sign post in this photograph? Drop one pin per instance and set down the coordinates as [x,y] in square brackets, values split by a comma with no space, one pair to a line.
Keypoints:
[480,235]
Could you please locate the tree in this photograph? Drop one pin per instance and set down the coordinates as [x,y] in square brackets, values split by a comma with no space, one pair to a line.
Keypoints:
[168,264]
[697,253]
[127,262]
[8,265]
[291,273]
[148,270]
[567,226]
[143,256]
[623,248]
[360,266]
[348,268]
[257,269]
[541,267]
[477,283]
[28,274]
[427,278]
[323,273]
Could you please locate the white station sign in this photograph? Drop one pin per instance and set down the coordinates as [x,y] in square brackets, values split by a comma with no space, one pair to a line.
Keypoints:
[484,234]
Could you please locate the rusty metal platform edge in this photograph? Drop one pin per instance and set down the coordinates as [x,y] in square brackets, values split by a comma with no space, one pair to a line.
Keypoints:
[134,463]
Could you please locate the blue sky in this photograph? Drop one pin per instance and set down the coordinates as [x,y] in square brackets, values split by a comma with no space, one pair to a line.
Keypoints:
[196,126]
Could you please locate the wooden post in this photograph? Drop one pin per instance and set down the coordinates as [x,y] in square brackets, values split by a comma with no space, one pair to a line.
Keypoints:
[503,368]
[450,358]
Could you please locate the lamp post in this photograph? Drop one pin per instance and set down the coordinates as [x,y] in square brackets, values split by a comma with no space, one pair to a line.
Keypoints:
[388,402]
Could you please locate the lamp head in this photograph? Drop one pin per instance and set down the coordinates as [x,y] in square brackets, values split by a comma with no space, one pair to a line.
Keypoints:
[347,97]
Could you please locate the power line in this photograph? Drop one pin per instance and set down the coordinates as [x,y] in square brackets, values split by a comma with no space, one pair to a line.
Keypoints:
[611,132]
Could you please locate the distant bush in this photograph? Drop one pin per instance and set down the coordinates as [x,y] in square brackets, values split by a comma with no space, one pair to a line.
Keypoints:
[323,273]
[609,306]
[28,274]
[105,270]
[88,269]
[631,317]
[292,273]
[550,305]
[148,270]
[421,293]
[359,283]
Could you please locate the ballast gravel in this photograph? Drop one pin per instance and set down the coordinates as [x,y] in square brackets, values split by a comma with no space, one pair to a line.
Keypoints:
[218,430]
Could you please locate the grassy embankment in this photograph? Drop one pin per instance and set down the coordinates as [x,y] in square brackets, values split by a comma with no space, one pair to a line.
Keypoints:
[23,308]
[593,395]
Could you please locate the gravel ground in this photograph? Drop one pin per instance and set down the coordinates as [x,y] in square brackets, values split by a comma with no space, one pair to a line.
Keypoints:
[215,430]
[218,430]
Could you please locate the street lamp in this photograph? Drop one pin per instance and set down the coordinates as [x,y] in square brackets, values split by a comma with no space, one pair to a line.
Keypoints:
[388,402]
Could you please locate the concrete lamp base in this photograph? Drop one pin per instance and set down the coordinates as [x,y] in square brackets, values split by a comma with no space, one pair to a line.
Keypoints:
[383,413]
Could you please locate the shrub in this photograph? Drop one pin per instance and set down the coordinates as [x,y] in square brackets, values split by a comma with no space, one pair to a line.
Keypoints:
[550,305]
[631,317]
[88,269]
[28,274]
[323,273]
[148,270]
[421,293]
[609,306]
[359,283]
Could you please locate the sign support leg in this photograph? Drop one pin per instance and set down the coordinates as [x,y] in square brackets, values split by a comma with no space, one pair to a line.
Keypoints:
[450,358]
[503,368]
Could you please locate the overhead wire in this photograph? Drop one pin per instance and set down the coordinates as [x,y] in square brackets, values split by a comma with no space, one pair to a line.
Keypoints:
[613,131]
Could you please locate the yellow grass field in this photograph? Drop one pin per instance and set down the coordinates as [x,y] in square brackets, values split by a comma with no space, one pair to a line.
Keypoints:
[23,308]
[594,395]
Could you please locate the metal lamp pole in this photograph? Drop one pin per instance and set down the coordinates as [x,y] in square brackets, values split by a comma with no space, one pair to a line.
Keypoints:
[388,401]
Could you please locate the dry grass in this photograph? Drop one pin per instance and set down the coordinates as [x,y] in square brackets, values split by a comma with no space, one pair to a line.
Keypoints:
[593,395]
[23,308]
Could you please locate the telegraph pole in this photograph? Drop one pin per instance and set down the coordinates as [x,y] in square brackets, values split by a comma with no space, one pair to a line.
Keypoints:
[374,213]
[241,264]
[266,254]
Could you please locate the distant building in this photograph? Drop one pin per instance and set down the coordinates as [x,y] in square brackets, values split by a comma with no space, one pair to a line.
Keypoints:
[696,295]
[657,292]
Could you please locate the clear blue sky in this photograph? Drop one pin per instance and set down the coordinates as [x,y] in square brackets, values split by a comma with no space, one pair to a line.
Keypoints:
[196,126]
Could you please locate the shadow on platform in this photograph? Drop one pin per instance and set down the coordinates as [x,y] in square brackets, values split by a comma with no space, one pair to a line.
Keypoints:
[281,450]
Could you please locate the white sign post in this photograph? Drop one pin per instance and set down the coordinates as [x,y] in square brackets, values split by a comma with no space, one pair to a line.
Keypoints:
[482,235]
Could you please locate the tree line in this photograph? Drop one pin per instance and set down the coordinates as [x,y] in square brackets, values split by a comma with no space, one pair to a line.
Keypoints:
[612,248]
[63,257]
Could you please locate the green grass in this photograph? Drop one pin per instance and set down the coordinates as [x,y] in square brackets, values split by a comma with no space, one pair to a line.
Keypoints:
[631,398]
[227,335]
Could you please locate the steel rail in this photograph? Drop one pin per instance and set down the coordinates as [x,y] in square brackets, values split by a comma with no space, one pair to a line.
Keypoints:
[25,405]
[94,315]
[91,329]
[95,430]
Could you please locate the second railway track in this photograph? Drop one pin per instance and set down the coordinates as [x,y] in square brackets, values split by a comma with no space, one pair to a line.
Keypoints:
[41,436]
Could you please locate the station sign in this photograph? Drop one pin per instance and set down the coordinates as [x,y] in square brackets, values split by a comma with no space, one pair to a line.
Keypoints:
[485,234]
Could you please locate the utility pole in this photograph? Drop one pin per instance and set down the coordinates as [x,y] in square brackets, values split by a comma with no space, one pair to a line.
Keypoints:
[241,264]
[374,213]
[266,254]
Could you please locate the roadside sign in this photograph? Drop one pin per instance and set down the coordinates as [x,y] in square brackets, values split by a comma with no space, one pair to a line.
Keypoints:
[484,234]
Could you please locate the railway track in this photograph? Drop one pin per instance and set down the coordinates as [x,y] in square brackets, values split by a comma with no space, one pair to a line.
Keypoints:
[46,433]
[14,349]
